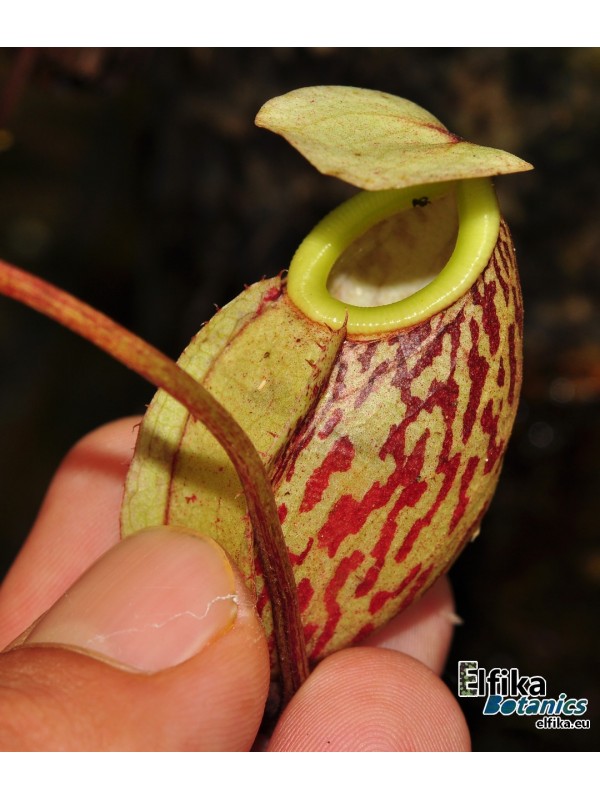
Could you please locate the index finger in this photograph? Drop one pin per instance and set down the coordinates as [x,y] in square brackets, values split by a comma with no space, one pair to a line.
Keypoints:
[77,523]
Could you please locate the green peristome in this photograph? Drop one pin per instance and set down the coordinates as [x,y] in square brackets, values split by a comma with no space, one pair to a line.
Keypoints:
[477,229]
[376,141]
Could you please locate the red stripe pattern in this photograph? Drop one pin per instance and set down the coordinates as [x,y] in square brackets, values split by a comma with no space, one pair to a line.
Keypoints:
[394,469]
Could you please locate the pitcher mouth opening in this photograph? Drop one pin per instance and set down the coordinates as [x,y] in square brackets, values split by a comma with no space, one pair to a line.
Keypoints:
[391,259]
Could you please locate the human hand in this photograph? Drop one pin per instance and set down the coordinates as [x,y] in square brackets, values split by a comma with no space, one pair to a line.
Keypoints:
[157,645]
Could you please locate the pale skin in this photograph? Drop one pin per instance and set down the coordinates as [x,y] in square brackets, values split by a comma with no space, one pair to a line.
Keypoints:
[385,695]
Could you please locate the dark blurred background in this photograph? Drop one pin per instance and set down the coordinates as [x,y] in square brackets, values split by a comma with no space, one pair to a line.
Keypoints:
[137,180]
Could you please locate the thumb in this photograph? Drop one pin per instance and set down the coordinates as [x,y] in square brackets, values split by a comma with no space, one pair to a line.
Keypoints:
[156,647]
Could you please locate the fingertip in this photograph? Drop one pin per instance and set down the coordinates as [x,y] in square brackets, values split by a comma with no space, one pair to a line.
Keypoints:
[163,602]
[371,699]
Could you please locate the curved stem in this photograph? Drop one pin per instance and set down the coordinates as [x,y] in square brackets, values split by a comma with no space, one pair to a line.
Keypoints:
[161,371]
